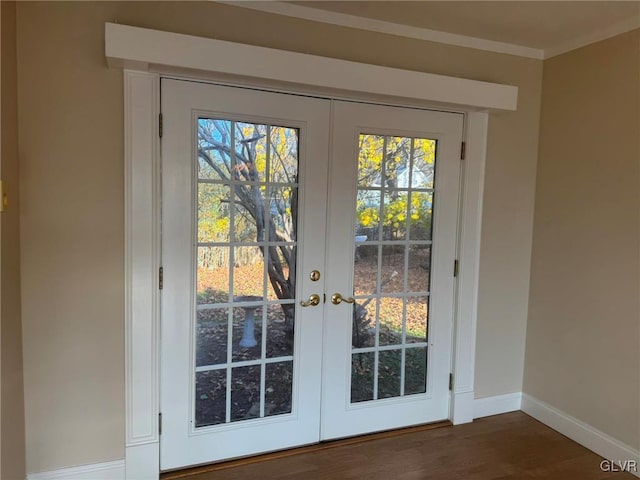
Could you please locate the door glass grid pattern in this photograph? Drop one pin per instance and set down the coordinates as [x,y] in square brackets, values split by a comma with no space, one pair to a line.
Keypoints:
[392,264]
[247,210]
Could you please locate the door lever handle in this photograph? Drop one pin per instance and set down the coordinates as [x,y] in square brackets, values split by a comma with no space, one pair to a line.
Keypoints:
[336,299]
[314,300]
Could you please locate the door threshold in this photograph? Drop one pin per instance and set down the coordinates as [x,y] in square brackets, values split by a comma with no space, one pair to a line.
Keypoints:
[187,472]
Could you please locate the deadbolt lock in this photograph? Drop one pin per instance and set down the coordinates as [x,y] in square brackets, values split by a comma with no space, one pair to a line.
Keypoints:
[314,275]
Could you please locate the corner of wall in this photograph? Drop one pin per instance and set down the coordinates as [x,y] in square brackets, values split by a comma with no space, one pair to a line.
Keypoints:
[12,440]
[584,270]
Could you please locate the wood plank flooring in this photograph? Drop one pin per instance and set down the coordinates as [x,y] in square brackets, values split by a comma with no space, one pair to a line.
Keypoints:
[510,446]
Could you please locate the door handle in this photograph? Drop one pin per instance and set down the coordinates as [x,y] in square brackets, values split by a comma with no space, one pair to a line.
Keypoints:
[336,299]
[314,300]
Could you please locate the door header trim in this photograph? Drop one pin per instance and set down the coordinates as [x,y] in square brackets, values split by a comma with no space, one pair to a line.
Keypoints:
[144,49]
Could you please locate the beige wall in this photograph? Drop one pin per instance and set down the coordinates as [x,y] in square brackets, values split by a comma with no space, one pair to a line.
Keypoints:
[12,457]
[71,141]
[583,335]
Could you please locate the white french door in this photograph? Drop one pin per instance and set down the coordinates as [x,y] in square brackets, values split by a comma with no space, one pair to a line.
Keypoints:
[308,290]
[240,366]
[391,242]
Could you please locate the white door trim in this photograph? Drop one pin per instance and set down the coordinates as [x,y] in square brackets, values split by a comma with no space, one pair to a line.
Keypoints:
[144,49]
[142,263]
[466,299]
[142,214]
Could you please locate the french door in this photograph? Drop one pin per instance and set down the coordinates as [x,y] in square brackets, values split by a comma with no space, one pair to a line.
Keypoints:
[307,250]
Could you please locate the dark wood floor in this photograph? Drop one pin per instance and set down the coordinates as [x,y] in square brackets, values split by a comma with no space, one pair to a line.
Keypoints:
[509,446]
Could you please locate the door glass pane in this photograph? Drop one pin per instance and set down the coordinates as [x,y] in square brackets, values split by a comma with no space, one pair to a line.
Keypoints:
[392,269]
[362,370]
[363,333]
[247,209]
[366,271]
[279,333]
[392,265]
[420,214]
[213,213]
[283,158]
[211,391]
[251,152]
[278,388]
[368,214]
[415,370]
[419,263]
[423,163]
[389,364]
[211,333]
[245,393]
[246,343]
[244,225]
[213,277]
[416,309]
[248,273]
[390,321]
[395,214]
[281,266]
[371,148]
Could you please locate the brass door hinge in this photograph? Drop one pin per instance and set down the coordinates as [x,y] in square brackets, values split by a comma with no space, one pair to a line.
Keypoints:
[160,125]
[160,424]
[463,150]
[451,381]
[455,268]
[161,278]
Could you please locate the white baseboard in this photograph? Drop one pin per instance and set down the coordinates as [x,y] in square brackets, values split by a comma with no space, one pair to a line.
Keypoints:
[580,432]
[487,406]
[97,471]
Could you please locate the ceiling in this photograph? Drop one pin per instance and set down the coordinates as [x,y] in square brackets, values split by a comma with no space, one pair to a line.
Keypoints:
[539,25]
[543,28]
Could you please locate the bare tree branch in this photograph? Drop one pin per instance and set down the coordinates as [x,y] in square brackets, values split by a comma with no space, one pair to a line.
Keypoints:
[239,163]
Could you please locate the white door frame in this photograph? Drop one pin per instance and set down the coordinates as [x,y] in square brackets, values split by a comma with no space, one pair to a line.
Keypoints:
[146,55]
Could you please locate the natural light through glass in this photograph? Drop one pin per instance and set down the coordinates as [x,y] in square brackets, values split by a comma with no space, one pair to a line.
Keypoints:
[393,241]
[247,190]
